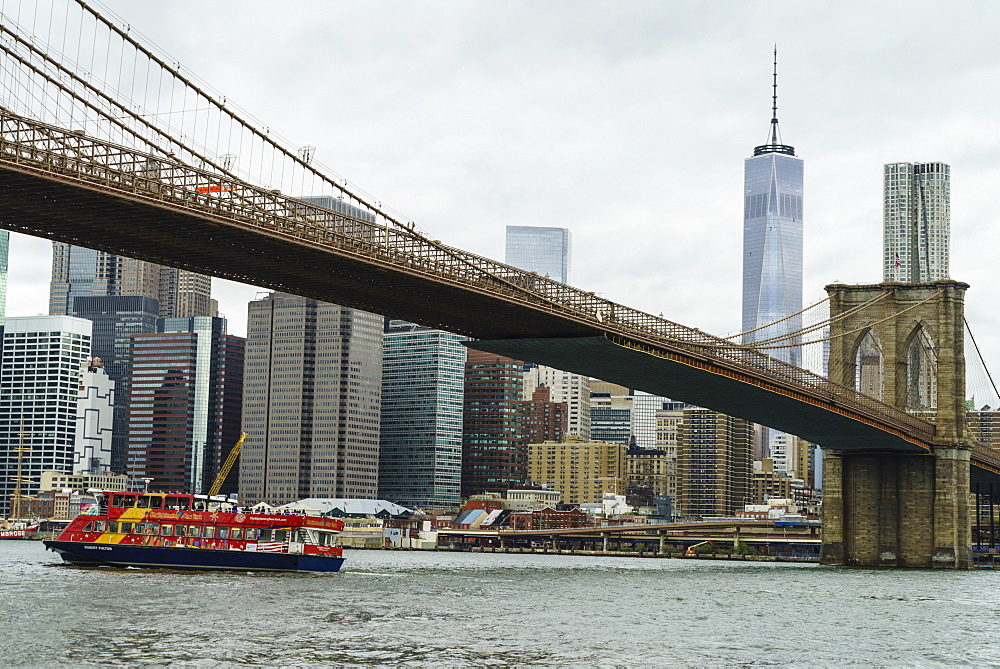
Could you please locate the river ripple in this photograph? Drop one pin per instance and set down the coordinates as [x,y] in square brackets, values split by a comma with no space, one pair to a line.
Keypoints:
[399,608]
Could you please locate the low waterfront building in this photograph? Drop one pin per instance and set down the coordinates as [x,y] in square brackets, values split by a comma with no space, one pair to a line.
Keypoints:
[549,519]
[527,500]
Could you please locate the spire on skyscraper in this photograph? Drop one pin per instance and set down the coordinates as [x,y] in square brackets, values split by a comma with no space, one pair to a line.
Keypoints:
[774,145]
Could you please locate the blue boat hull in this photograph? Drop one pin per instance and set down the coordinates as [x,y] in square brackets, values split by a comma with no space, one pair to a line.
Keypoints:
[118,555]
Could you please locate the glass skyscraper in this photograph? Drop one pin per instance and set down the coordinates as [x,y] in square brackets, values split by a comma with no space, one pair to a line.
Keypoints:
[916,222]
[544,251]
[83,272]
[423,387]
[772,242]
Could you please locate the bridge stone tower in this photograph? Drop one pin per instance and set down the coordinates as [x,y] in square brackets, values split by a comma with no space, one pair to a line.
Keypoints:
[901,509]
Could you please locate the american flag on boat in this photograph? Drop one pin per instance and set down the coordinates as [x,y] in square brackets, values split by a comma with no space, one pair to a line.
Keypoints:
[272,547]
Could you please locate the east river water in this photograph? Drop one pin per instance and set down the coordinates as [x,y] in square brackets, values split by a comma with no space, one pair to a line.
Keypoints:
[399,608]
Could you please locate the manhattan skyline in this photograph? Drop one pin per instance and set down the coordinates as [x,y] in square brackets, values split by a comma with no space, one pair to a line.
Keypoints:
[603,126]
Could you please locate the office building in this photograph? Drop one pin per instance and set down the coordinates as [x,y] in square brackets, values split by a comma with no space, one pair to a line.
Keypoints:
[772,241]
[582,470]
[611,416]
[545,251]
[39,389]
[83,272]
[768,483]
[115,319]
[423,387]
[714,463]
[95,413]
[573,390]
[650,473]
[493,450]
[543,419]
[916,222]
[312,401]
[643,418]
[186,391]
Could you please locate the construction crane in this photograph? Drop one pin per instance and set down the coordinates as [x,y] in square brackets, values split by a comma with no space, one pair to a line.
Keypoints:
[226,467]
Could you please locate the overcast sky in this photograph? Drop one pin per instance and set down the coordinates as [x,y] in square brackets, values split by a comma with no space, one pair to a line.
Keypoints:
[627,122]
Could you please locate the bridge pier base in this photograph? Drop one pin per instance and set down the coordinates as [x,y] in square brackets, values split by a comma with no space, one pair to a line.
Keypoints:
[897,509]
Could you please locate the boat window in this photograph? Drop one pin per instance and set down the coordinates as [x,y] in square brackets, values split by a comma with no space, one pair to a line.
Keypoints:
[123,501]
[280,535]
[113,527]
[251,533]
[266,535]
[223,532]
[166,530]
[179,503]
[100,526]
[89,527]
[194,530]
[126,528]
[150,502]
[236,533]
[209,532]
[181,530]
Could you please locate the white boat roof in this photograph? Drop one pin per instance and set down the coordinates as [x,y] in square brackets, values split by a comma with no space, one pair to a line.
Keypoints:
[368,507]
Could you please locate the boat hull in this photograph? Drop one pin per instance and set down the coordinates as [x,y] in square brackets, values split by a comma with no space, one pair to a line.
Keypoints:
[119,555]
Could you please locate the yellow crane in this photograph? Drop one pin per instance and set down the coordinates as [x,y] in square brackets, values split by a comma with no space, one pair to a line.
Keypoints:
[226,467]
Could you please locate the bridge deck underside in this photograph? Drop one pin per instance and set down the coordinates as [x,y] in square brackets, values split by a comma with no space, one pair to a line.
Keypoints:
[142,228]
[606,360]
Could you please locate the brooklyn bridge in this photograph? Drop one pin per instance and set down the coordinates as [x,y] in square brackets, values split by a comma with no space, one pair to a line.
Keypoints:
[116,160]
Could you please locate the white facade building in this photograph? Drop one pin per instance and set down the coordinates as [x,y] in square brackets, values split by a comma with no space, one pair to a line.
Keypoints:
[39,390]
[95,414]
[916,222]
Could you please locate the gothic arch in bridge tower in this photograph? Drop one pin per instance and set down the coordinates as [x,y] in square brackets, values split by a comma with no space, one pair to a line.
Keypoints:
[918,373]
[869,365]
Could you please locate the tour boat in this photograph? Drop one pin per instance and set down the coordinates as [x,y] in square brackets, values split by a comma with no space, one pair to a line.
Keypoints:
[180,531]
[19,530]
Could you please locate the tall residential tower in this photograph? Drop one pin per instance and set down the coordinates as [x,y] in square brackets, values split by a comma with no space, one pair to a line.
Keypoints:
[772,239]
[916,222]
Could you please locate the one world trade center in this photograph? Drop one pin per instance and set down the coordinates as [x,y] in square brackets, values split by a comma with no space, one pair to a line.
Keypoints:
[772,243]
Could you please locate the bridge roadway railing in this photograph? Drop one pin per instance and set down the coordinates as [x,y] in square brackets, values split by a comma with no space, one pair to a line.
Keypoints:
[72,155]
